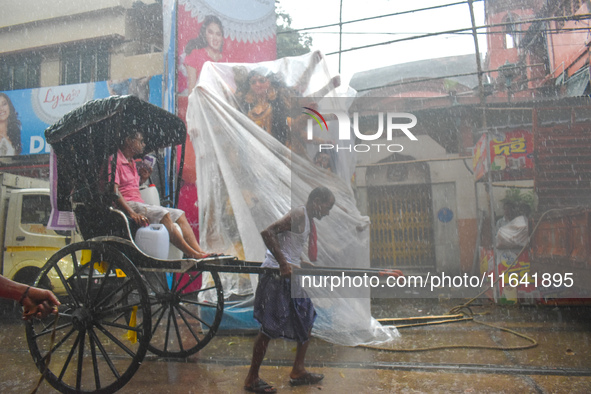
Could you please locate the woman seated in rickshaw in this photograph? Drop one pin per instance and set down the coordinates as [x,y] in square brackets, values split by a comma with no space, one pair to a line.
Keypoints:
[127,182]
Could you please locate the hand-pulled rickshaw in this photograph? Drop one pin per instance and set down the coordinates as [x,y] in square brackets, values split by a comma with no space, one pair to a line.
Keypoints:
[116,301]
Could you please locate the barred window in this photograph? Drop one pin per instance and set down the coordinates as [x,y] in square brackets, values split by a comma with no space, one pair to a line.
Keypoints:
[84,64]
[19,72]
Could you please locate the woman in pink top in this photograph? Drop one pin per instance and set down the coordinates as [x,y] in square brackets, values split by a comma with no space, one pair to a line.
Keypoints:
[207,46]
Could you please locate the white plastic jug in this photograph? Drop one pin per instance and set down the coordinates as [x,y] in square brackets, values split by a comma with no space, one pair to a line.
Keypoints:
[150,195]
[153,240]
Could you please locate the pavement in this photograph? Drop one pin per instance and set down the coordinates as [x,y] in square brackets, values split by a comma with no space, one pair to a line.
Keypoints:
[560,361]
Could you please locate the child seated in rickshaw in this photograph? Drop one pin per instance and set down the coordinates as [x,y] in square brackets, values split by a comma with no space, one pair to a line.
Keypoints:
[127,187]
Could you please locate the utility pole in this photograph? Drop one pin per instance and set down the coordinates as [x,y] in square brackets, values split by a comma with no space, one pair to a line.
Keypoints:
[340,33]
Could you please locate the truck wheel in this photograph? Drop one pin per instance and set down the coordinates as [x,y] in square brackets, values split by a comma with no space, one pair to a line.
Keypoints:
[28,275]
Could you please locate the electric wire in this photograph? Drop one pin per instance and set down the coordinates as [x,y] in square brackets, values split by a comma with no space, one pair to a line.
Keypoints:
[375,17]
[561,18]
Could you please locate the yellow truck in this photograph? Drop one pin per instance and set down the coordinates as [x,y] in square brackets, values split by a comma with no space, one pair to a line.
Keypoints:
[26,241]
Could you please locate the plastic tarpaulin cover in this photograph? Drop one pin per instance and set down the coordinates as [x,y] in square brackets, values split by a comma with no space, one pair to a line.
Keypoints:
[248,177]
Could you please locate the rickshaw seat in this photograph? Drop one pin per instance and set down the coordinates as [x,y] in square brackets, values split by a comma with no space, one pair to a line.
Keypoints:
[108,221]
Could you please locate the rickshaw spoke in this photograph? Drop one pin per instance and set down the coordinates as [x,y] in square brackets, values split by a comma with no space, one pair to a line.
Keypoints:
[188,312]
[115,340]
[49,329]
[167,330]
[175,283]
[112,293]
[47,326]
[105,354]
[189,327]
[157,310]
[102,285]
[97,379]
[158,321]
[80,360]
[189,282]
[111,297]
[159,279]
[66,284]
[192,293]
[117,325]
[186,296]
[202,290]
[75,261]
[176,327]
[57,345]
[77,266]
[121,310]
[77,269]
[89,280]
[110,308]
[197,303]
[119,316]
[69,358]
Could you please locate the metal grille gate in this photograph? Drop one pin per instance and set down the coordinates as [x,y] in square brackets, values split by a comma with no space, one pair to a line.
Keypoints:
[401,226]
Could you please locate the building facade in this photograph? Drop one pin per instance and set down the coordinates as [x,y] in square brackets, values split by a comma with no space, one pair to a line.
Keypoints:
[537,57]
[44,43]
[48,44]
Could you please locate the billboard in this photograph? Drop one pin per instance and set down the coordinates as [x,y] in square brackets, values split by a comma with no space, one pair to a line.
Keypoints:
[201,31]
[510,152]
[37,109]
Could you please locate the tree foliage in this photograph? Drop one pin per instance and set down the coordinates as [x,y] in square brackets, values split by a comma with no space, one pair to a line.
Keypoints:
[290,42]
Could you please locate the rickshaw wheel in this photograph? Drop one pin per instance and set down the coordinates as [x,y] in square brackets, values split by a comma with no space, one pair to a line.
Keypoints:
[186,311]
[104,324]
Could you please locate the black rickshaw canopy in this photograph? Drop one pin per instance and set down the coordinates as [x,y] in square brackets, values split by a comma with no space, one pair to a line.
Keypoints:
[86,139]
[113,118]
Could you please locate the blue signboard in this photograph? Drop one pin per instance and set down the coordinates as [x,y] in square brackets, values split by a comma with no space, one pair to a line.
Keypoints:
[39,108]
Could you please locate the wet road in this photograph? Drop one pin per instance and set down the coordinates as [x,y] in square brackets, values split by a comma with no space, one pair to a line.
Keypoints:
[560,363]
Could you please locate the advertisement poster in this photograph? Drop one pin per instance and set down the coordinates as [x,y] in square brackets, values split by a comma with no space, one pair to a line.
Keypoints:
[37,109]
[511,155]
[229,31]
[515,284]
[512,150]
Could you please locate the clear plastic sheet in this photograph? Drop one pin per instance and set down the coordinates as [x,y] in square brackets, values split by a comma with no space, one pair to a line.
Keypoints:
[514,234]
[247,179]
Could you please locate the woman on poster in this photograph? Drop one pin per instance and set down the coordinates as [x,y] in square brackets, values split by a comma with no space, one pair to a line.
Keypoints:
[207,46]
[10,128]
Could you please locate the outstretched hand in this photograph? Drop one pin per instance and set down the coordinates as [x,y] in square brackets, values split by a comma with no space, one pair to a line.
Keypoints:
[39,303]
